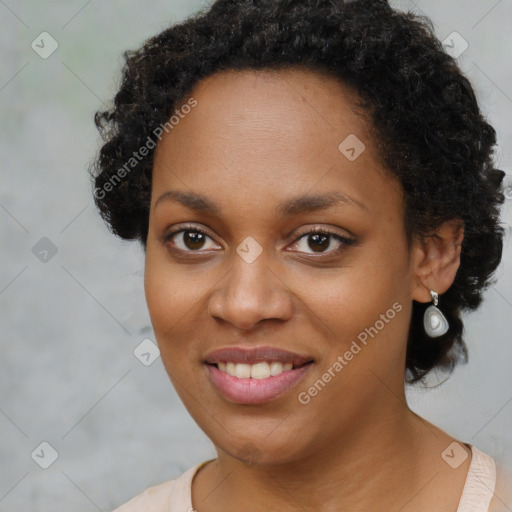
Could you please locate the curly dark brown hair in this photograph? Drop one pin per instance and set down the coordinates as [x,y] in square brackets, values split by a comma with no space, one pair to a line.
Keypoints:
[429,131]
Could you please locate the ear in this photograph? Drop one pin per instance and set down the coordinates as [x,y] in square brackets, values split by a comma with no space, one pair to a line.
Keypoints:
[436,259]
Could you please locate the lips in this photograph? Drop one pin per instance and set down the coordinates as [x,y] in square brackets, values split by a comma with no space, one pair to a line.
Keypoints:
[255,375]
[255,355]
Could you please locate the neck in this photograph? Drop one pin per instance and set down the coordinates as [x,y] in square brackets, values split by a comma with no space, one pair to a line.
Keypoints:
[369,468]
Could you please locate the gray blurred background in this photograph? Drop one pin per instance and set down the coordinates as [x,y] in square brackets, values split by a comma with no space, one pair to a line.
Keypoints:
[72,299]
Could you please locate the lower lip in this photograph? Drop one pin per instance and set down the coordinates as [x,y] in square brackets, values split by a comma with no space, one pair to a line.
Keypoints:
[255,391]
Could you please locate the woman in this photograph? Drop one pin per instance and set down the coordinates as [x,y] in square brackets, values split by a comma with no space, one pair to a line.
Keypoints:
[313,187]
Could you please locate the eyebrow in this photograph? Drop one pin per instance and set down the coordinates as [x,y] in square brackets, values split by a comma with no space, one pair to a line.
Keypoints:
[292,206]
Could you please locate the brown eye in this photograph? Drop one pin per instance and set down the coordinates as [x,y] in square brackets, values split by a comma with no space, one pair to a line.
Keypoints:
[191,239]
[319,240]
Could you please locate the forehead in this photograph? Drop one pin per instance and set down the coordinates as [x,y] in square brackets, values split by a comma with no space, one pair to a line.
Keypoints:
[290,103]
[284,88]
[270,133]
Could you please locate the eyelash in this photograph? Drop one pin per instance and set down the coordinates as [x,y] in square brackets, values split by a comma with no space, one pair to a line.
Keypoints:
[345,241]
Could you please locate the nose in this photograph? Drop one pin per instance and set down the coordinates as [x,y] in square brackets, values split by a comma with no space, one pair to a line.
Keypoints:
[250,293]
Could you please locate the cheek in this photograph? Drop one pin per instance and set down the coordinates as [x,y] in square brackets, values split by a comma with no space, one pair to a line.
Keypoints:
[352,298]
[171,299]
[362,310]
[170,293]
[178,308]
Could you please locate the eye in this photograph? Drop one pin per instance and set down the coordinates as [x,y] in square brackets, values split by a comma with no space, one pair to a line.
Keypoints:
[320,239]
[192,239]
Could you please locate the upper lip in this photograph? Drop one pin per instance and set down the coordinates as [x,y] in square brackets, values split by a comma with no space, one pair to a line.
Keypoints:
[255,355]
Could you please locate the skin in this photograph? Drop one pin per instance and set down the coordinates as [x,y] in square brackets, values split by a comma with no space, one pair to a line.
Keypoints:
[254,140]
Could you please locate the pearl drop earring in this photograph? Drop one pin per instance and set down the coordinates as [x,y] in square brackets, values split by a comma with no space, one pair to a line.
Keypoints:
[434,322]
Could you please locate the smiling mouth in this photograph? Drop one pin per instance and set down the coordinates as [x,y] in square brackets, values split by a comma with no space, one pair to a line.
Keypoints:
[255,375]
[259,370]
[253,383]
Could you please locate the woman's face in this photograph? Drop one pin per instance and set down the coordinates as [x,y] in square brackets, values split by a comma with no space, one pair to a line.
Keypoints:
[260,161]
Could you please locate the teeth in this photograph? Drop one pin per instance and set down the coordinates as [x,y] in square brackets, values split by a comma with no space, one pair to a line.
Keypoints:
[276,368]
[261,370]
[243,371]
[230,368]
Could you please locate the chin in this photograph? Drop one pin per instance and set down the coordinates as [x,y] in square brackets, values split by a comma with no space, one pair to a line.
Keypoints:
[257,447]
[253,454]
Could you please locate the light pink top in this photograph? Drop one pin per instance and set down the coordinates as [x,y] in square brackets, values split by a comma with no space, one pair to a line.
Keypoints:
[176,495]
